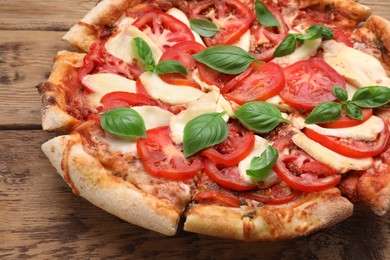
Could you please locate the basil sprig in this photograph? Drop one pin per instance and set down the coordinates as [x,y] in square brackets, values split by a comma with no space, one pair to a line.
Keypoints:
[289,44]
[204,27]
[204,131]
[367,97]
[264,15]
[259,117]
[260,166]
[123,122]
[163,67]
[226,59]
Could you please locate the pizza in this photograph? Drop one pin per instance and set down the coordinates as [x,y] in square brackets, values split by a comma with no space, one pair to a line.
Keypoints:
[251,120]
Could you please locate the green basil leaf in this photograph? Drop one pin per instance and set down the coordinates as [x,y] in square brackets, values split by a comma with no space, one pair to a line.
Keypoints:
[259,117]
[144,53]
[123,122]
[317,31]
[326,33]
[170,66]
[324,112]
[260,166]
[264,15]
[371,97]
[340,93]
[203,27]
[225,58]
[353,111]
[286,47]
[204,131]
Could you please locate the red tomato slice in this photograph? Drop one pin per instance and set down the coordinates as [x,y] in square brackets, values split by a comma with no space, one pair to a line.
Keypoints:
[264,81]
[309,83]
[267,39]
[216,197]
[162,158]
[231,16]
[349,147]
[228,177]
[236,146]
[346,121]
[289,169]
[182,52]
[163,29]
[125,99]
[343,36]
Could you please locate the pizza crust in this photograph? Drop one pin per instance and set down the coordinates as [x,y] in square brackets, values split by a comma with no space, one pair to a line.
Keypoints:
[312,212]
[352,9]
[89,179]
[381,28]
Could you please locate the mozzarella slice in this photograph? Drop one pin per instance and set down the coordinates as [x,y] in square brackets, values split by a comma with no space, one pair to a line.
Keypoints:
[306,51]
[103,83]
[122,46]
[350,90]
[278,102]
[339,162]
[172,94]
[153,117]
[258,149]
[179,15]
[358,68]
[367,131]
[244,42]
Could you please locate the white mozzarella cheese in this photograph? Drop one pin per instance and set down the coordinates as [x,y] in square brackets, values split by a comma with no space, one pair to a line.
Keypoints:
[350,90]
[306,51]
[244,42]
[358,68]
[172,94]
[203,85]
[103,83]
[367,131]
[179,15]
[122,46]
[121,145]
[258,149]
[338,162]
[278,102]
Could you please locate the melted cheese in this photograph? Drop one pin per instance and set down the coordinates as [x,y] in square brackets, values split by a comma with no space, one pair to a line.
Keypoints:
[172,94]
[358,68]
[338,162]
[244,42]
[103,83]
[258,149]
[279,103]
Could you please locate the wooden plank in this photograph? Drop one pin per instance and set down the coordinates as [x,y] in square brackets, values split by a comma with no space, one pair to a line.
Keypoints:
[57,15]
[41,218]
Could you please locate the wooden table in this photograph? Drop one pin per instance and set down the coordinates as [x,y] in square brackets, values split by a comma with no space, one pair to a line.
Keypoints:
[41,218]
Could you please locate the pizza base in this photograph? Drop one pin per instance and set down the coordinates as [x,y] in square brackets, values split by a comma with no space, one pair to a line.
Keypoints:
[381,28]
[89,179]
[312,212]
[53,97]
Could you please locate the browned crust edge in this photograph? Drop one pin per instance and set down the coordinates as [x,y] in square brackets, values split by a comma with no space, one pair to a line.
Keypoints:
[88,178]
[381,28]
[354,10]
[313,212]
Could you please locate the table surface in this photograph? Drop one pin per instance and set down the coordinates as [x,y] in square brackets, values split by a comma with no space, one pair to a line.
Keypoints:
[41,218]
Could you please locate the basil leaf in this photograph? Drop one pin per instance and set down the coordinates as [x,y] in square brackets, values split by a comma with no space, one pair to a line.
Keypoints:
[259,117]
[145,53]
[264,15]
[318,31]
[353,111]
[204,131]
[324,112]
[203,27]
[123,122]
[170,66]
[225,58]
[260,166]
[286,47]
[371,97]
[340,93]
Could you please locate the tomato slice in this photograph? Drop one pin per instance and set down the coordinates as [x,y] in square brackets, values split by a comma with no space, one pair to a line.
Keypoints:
[264,81]
[346,121]
[267,39]
[231,16]
[309,83]
[289,169]
[228,177]
[182,52]
[216,197]
[124,99]
[163,29]
[162,158]
[349,147]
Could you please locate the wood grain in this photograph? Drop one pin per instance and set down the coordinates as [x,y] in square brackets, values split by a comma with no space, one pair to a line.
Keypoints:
[41,218]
